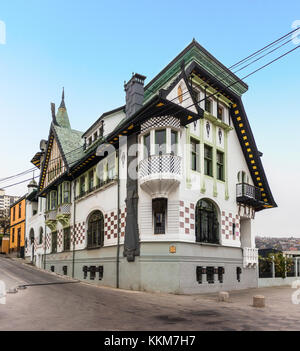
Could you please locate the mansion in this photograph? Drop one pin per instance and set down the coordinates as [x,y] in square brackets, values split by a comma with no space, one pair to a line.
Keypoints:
[157,195]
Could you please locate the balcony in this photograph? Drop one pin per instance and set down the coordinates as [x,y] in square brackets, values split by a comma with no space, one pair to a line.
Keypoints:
[250,257]
[63,214]
[248,194]
[51,220]
[159,174]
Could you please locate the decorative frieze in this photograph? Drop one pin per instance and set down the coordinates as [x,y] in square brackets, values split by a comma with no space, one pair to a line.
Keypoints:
[158,122]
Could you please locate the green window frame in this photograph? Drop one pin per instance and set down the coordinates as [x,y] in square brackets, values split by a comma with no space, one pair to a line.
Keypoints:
[91,179]
[53,200]
[195,154]
[208,105]
[220,165]
[66,192]
[208,160]
[82,185]
[220,113]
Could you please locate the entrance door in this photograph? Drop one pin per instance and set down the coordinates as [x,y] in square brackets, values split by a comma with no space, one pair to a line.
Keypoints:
[19,242]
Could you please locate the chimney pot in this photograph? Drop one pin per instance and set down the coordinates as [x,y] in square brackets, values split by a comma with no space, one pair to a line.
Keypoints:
[134,94]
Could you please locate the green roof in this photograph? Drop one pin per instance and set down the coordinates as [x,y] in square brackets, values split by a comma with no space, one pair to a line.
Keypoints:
[71,144]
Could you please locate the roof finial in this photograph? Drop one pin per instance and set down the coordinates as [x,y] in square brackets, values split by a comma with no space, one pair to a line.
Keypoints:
[62,104]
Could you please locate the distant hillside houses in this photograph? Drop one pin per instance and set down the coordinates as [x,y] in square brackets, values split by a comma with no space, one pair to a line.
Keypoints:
[284,244]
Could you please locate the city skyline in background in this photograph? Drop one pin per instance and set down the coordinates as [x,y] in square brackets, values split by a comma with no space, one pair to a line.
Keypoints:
[91,50]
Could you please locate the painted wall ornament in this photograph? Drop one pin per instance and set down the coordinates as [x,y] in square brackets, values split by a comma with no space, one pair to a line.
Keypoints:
[123,158]
[220,134]
[207,128]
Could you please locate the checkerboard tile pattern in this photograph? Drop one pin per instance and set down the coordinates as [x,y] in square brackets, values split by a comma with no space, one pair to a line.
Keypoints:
[48,241]
[60,240]
[186,217]
[111,224]
[123,221]
[80,233]
[227,221]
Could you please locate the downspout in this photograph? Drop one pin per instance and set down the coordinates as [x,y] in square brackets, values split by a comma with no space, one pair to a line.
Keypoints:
[118,243]
[74,208]
[45,242]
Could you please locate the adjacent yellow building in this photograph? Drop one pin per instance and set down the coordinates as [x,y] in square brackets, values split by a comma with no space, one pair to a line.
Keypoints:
[17,227]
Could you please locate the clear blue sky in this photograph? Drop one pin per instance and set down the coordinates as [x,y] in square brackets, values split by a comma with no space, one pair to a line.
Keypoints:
[90,47]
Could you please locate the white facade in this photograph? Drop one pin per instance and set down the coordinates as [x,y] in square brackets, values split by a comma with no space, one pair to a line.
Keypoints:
[35,230]
[199,184]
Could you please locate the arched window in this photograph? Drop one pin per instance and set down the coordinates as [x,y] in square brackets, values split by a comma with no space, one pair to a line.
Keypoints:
[207,225]
[41,236]
[95,229]
[31,236]
[242,177]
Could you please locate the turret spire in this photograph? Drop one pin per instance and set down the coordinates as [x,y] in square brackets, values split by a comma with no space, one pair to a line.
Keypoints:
[62,104]
[62,119]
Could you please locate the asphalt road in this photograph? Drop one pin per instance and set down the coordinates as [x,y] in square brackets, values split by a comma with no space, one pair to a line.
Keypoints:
[81,306]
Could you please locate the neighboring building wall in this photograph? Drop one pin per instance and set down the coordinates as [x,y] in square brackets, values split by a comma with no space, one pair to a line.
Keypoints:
[17,225]
[35,226]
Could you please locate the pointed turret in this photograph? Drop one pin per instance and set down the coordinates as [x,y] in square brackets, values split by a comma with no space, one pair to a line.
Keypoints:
[62,118]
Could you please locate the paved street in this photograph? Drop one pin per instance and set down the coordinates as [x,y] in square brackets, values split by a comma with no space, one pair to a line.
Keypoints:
[80,306]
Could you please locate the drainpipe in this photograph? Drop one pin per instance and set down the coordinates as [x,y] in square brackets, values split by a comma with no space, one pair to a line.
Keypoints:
[45,244]
[74,208]
[118,243]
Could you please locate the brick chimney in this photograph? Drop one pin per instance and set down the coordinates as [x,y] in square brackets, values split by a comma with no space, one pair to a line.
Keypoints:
[134,94]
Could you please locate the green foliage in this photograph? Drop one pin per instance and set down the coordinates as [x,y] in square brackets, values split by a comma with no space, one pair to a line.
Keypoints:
[282,264]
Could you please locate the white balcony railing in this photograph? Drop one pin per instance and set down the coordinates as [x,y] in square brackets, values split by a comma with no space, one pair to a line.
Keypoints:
[250,257]
[160,164]
[158,174]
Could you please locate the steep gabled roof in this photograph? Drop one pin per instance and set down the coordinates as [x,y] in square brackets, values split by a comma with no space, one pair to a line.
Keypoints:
[70,142]
[194,52]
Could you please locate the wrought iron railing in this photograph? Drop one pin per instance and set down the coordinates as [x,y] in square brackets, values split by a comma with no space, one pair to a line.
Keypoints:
[246,192]
[101,184]
[156,164]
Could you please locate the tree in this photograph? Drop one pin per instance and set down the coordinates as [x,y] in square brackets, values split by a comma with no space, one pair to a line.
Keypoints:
[282,264]
[4,221]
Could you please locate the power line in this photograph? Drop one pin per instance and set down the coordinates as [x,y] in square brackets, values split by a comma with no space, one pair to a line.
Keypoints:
[167,108]
[251,56]
[230,85]
[23,181]
[17,175]
[264,48]
[248,75]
